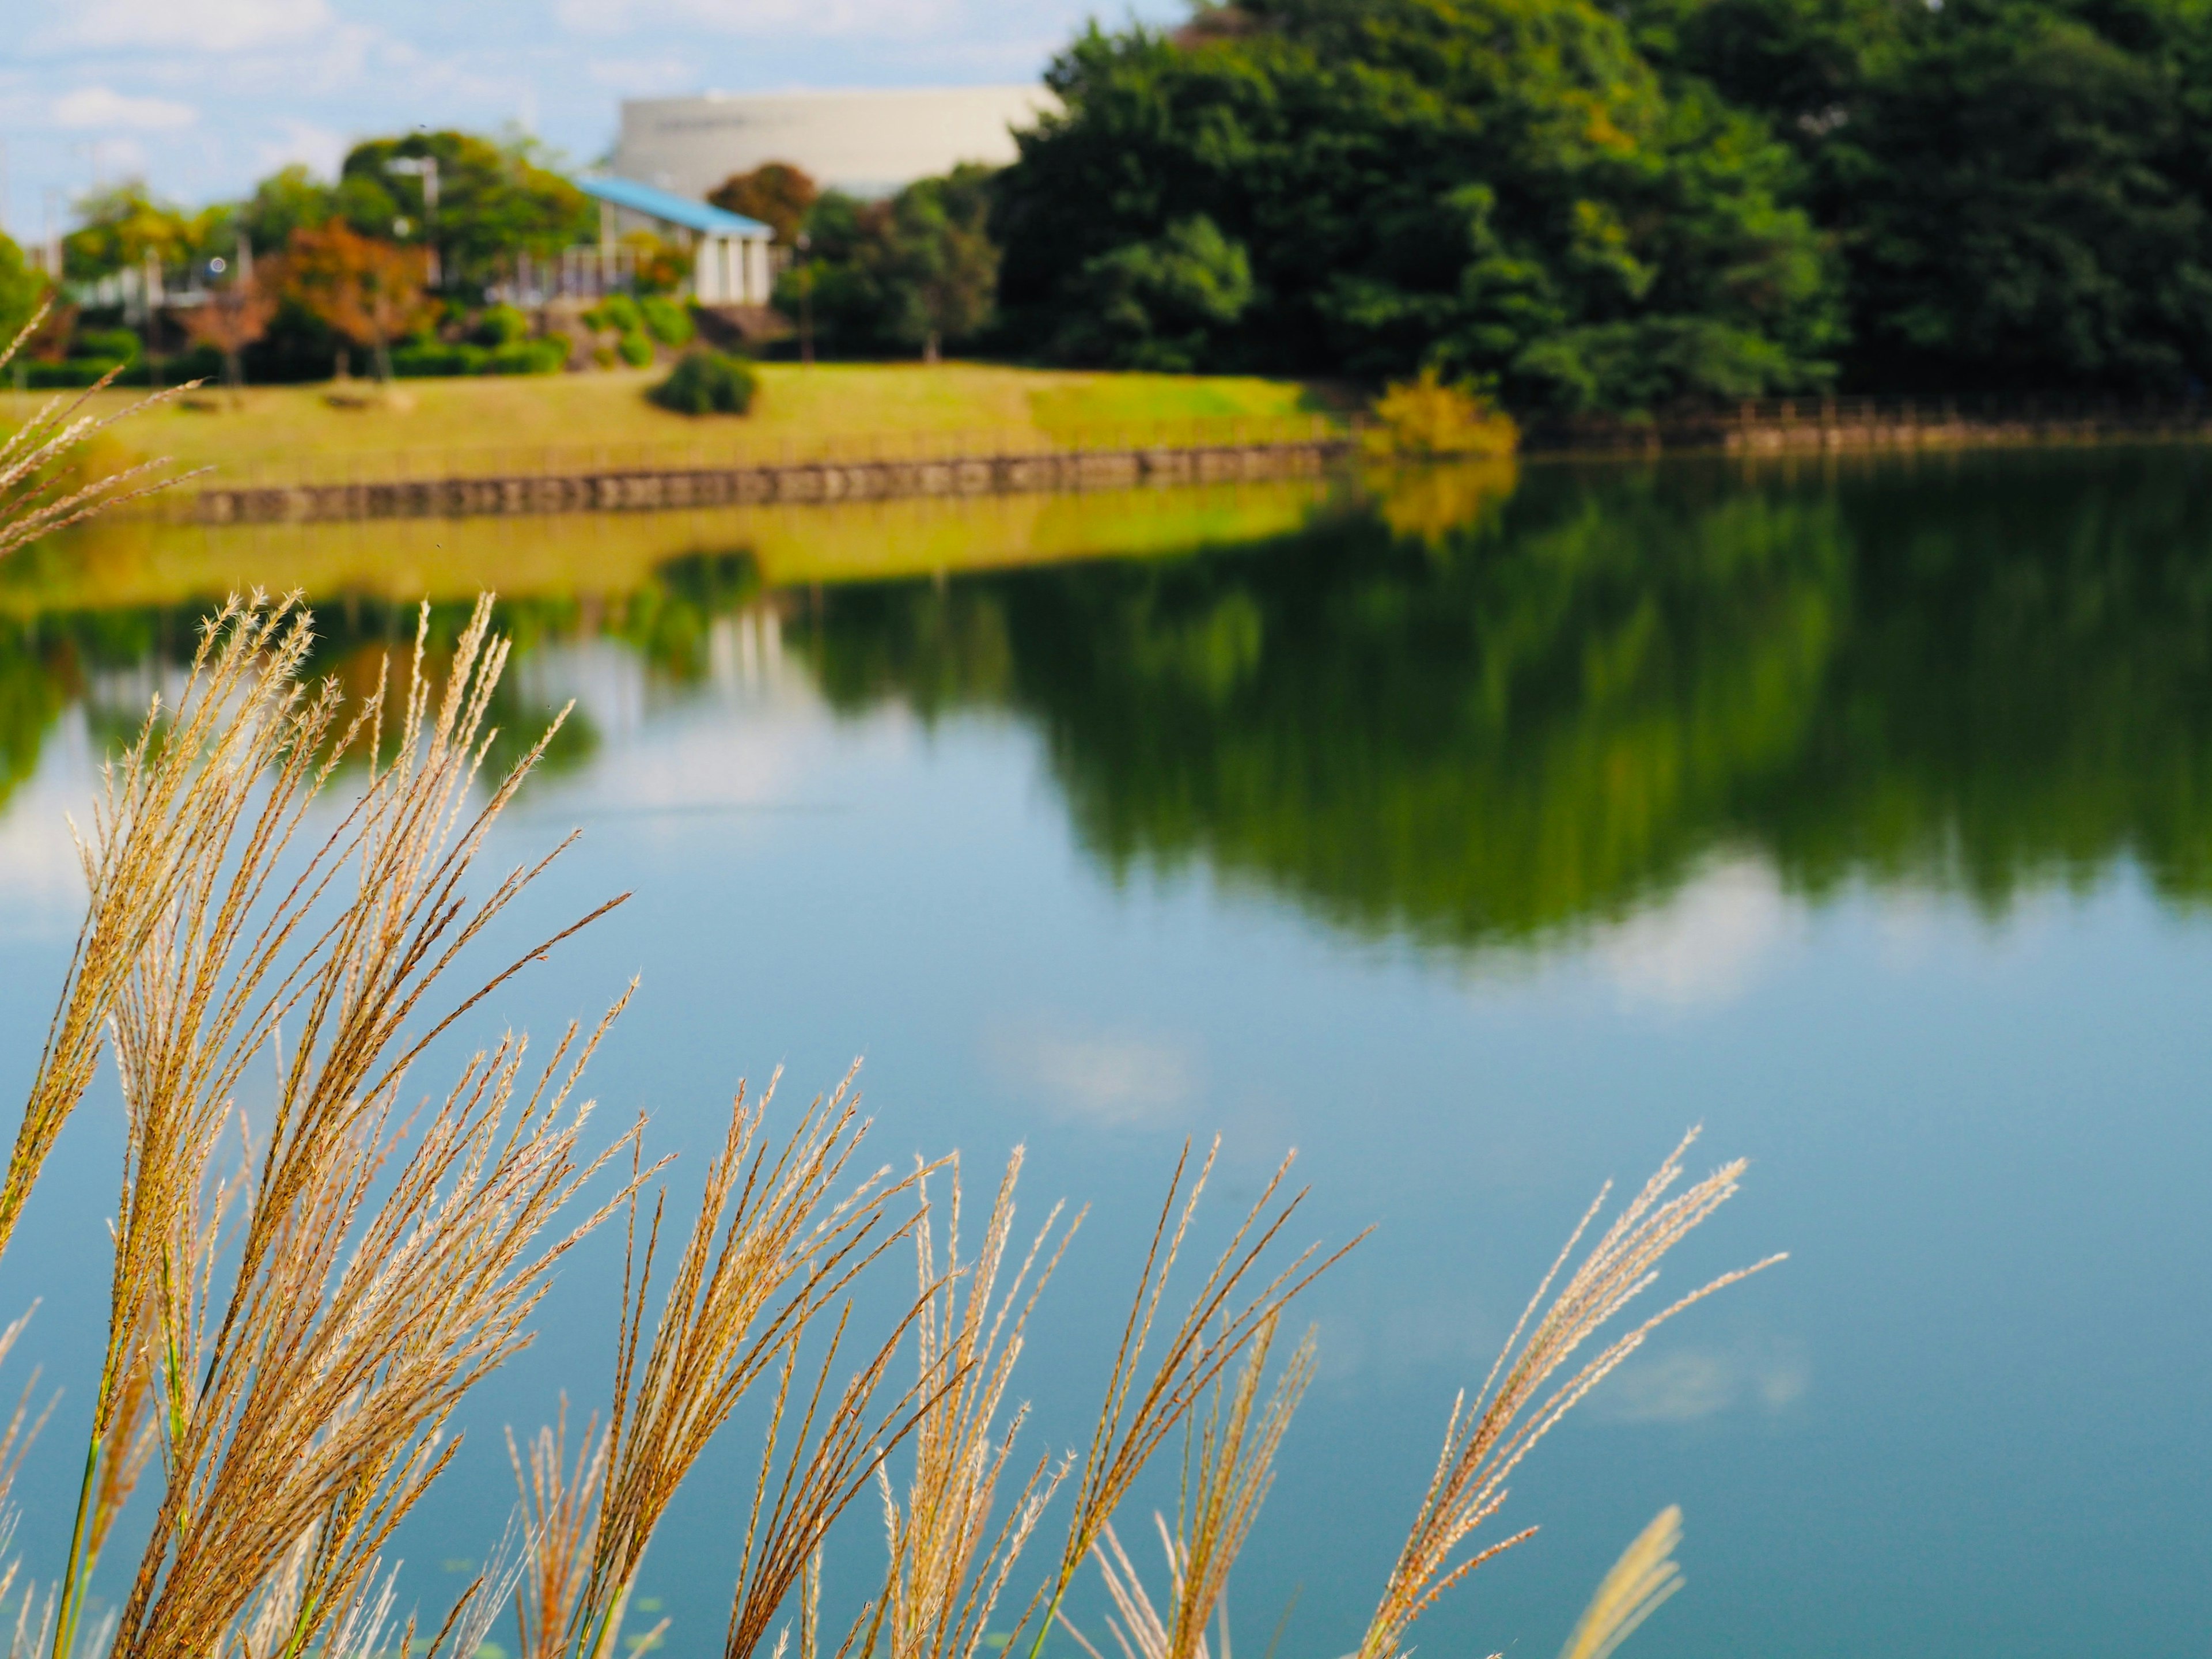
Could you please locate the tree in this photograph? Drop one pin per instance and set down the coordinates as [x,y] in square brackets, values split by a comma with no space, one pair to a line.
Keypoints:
[119,228]
[914,273]
[1495,188]
[495,200]
[290,199]
[23,290]
[776,194]
[231,318]
[945,267]
[367,290]
[2023,205]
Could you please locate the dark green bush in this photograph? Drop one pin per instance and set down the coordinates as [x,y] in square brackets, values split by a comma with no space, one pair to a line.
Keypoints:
[636,350]
[428,360]
[114,345]
[503,326]
[56,377]
[617,312]
[546,355]
[666,320]
[707,382]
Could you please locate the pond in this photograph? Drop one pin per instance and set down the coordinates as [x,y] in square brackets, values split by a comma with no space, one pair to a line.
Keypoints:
[1475,833]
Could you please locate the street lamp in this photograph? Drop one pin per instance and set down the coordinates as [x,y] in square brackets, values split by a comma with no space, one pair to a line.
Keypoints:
[424,168]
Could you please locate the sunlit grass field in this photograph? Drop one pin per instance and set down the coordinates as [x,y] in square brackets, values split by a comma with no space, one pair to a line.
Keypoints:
[560,423]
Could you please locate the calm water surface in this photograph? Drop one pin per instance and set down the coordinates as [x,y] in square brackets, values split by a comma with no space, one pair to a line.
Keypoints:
[1475,837]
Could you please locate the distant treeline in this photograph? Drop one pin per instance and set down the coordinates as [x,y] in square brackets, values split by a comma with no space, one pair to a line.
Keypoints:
[1587,208]
[1615,207]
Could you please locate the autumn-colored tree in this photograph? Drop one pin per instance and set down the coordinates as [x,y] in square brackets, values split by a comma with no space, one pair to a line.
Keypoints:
[363,289]
[232,318]
[776,194]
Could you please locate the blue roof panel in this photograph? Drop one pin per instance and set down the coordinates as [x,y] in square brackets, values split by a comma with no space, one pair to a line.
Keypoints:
[671,208]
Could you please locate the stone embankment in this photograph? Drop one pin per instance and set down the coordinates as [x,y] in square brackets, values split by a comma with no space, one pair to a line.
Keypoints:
[1785,426]
[619,490]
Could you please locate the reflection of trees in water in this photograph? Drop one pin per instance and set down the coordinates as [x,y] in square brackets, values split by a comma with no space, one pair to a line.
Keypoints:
[1485,707]
[51,661]
[1986,671]
[47,663]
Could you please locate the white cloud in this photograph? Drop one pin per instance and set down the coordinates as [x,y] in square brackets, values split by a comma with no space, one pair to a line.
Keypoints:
[1113,1081]
[758,17]
[187,25]
[1698,947]
[103,108]
[1690,1384]
[318,147]
[639,75]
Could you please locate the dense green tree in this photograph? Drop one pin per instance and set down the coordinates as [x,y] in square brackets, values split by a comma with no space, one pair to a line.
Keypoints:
[2024,209]
[494,200]
[1495,187]
[22,289]
[1807,66]
[291,198]
[118,228]
[906,274]
[2019,187]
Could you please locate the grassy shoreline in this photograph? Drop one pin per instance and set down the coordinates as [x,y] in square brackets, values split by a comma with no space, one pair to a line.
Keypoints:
[506,426]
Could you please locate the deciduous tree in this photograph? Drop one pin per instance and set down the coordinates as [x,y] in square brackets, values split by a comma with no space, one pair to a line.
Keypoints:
[776,194]
[367,290]
[232,318]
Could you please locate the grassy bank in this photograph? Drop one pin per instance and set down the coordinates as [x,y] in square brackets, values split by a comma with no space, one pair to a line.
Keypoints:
[573,423]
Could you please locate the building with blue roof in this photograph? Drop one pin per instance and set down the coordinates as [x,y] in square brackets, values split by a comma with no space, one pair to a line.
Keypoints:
[730,260]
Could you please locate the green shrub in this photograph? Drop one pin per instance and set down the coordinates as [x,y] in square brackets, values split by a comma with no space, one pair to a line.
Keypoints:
[112,345]
[707,382]
[548,355]
[57,377]
[666,320]
[617,312]
[636,350]
[431,360]
[503,326]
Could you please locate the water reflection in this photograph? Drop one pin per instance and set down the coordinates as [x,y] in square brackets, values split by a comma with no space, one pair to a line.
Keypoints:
[1985,674]
[1470,706]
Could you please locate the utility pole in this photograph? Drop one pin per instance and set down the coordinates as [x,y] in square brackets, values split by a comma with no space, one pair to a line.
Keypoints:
[424,168]
[805,302]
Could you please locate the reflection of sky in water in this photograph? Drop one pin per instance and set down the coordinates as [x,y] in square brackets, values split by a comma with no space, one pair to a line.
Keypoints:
[1962,1420]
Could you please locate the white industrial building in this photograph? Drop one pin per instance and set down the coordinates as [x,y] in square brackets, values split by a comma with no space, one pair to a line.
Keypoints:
[866,143]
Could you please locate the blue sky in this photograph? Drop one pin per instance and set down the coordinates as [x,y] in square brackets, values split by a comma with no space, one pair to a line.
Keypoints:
[200,97]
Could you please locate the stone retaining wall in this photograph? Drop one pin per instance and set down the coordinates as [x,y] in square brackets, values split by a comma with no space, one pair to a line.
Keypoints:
[824,480]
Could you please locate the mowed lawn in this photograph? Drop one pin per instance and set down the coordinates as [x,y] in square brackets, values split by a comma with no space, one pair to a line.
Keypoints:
[566,423]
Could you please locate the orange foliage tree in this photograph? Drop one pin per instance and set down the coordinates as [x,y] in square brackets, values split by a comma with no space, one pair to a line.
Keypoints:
[360,287]
[230,319]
